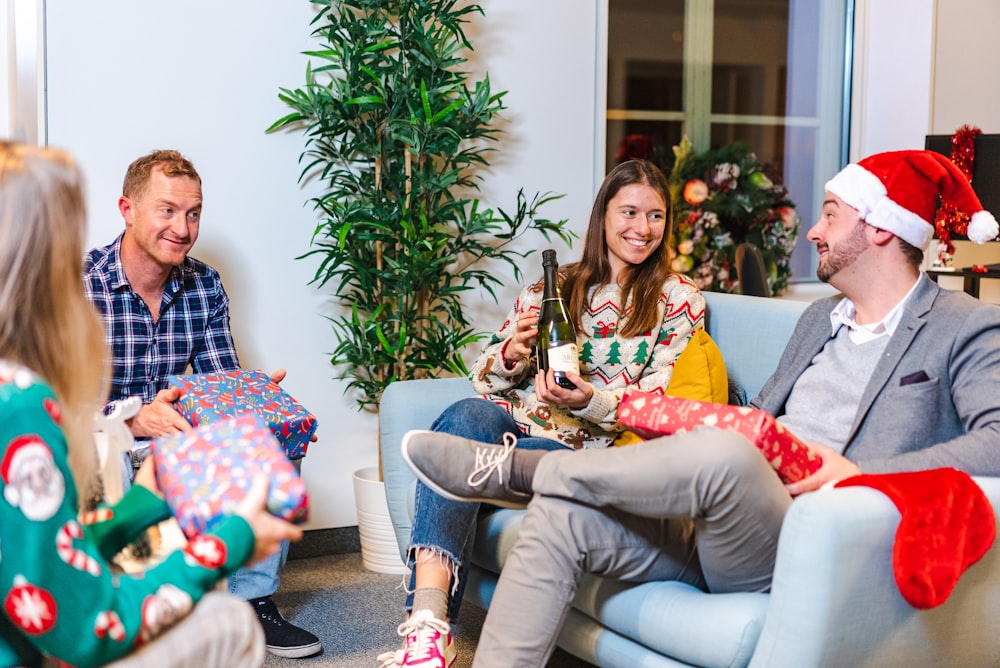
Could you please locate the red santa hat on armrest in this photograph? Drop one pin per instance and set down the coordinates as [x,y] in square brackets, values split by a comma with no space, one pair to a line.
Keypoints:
[898,191]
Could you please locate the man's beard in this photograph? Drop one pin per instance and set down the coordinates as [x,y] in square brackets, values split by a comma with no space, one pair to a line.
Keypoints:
[843,255]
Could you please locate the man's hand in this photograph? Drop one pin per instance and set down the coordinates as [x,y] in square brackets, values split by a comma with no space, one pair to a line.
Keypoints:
[159,417]
[268,530]
[279,376]
[835,467]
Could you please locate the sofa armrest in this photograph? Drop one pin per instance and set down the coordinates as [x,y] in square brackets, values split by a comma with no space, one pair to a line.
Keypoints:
[835,602]
[406,405]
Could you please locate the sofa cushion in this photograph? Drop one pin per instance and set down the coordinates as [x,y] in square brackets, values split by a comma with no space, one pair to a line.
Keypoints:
[700,372]
[678,620]
[496,532]
[671,618]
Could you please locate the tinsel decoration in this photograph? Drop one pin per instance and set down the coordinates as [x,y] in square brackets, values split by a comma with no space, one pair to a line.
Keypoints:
[963,153]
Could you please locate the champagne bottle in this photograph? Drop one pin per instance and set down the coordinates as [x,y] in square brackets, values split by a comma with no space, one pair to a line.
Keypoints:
[556,342]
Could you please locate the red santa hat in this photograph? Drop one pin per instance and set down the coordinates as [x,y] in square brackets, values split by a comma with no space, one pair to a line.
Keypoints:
[898,191]
[16,452]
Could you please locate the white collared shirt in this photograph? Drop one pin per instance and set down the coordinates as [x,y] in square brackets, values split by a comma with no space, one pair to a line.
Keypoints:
[845,314]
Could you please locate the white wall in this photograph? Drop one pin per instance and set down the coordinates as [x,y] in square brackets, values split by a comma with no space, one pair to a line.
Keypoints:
[966,81]
[125,77]
[892,75]
[966,90]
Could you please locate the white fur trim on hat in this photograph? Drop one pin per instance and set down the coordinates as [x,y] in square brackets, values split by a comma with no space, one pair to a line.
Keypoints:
[858,187]
[908,226]
[983,227]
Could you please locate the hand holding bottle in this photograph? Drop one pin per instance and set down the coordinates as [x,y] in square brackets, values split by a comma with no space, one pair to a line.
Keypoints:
[550,392]
[523,340]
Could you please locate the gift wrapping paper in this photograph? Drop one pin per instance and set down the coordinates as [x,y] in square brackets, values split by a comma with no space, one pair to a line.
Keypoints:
[206,471]
[649,414]
[213,396]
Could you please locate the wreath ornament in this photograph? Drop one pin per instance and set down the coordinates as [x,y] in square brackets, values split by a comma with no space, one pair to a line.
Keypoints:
[721,199]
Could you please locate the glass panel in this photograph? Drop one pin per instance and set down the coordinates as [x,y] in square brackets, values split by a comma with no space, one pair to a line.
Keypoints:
[749,57]
[646,139]
[769,73]
[767,141]
[800,177]
[645,77]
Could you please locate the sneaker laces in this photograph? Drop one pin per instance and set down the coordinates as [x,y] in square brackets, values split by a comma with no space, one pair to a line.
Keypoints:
[392,659]
[490,459]
[422,631]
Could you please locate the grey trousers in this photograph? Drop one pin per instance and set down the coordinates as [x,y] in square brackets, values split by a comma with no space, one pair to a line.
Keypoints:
[222,631]
[703,508]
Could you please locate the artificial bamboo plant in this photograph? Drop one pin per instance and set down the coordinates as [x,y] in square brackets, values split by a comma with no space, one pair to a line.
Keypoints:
[398,136]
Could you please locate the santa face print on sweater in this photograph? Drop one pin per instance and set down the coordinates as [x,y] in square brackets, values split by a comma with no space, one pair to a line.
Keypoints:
[33,482]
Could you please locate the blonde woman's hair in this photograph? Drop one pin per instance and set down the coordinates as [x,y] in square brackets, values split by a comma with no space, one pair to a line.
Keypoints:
[46,322]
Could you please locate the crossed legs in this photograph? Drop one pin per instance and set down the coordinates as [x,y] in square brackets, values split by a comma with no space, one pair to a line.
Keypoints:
[703,508]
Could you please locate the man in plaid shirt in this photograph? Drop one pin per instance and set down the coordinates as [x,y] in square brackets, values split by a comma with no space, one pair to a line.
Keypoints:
[166,312]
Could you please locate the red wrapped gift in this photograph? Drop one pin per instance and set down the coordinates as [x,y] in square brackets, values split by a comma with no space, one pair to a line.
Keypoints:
[649,414]
[213,396]
[205,472]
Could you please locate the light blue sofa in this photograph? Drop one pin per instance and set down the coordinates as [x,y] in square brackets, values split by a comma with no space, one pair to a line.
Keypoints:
[834,601]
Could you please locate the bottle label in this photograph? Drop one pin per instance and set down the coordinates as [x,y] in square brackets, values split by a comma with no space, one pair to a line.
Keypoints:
[564,358]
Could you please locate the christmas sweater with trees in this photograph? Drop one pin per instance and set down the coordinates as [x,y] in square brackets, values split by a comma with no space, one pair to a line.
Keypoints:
[61,597]
[609,362]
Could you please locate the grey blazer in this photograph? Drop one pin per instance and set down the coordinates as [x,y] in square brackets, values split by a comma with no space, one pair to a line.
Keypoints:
[934,397]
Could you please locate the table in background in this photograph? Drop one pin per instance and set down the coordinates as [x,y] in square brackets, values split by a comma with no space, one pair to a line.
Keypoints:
[970,278]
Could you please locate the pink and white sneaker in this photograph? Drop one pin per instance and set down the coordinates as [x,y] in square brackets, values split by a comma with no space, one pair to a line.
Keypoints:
[428,644]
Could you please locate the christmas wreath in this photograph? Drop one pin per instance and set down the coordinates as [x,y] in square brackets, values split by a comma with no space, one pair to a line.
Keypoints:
[721,199]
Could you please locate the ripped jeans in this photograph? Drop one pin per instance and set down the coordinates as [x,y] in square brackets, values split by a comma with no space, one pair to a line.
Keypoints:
[449,527]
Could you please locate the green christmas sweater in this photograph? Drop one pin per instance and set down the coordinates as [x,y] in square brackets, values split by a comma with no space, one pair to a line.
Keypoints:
[609,362]
[60,596]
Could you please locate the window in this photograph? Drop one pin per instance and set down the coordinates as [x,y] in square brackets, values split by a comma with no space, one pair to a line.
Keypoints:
[770,73]
[21,92]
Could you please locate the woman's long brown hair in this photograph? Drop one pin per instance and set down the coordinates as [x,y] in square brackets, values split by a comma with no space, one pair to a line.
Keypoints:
[641,283]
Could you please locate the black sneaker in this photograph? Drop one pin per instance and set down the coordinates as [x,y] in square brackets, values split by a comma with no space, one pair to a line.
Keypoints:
[281,637]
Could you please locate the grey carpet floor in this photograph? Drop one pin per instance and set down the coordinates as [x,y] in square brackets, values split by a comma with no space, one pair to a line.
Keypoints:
[355,613]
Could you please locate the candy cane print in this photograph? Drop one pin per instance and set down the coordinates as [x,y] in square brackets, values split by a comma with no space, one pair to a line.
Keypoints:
[78,559]
[109,624]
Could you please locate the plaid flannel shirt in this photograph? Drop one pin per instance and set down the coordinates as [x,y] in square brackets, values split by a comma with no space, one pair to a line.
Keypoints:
[192,331]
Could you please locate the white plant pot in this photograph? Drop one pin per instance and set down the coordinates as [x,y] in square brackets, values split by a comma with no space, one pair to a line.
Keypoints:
[379,550]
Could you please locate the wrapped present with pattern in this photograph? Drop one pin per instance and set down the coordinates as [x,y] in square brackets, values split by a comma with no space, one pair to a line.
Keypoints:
[206,471]
[649,415]
[208,397]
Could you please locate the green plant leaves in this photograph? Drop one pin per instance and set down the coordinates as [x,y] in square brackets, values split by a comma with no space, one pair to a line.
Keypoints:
[397,135]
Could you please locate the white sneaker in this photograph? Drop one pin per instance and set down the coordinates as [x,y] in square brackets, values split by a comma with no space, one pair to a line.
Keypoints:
[428,644]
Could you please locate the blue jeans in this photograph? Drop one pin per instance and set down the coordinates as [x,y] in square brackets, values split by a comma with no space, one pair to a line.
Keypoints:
[449,527]
[261,579]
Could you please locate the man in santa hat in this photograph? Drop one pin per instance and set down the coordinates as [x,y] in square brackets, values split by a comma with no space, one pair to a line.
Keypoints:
[893,375]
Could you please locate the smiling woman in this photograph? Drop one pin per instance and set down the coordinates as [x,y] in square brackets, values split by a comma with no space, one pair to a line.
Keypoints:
[633,319]
[634,225]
